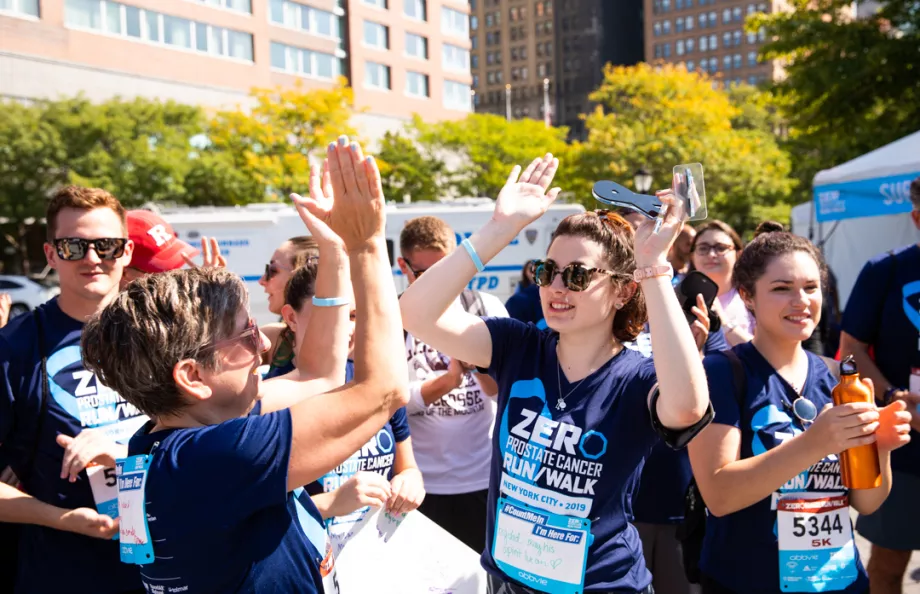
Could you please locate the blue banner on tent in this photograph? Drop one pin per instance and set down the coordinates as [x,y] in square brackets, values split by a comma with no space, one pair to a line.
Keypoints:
[864,198]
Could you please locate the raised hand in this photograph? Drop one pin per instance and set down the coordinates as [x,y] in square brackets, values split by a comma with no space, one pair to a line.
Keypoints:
[88,447]
[210,255]
[321,195]
[355,210]
[525,198]
[700,326]
[654,240]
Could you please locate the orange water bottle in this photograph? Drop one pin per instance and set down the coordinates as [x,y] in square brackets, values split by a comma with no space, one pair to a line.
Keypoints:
[859,466]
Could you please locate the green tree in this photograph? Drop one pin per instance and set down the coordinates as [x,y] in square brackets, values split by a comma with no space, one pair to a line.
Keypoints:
[274,140]
[662,116]
[31,153]
[484,147]
[851,85]
[409,168]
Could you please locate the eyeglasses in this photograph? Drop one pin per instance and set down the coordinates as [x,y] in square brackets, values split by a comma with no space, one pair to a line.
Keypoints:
[704,249]
[76,248]
[415,273]
[271,269]
[804,410]
[575,277]
[251,333]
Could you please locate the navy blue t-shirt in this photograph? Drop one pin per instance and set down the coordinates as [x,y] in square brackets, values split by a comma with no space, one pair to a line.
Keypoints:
[524,305]
[667,473]
[740,550]
[220,516]
[378,455]
[582,463]
[52,560]
[884,311]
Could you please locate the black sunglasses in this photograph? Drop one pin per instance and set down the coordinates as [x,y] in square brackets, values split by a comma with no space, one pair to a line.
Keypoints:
[575,277]
[416,273]
[272,269]
[76,248]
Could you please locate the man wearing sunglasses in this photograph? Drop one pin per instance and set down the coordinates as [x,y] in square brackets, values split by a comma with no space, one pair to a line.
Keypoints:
[47,397]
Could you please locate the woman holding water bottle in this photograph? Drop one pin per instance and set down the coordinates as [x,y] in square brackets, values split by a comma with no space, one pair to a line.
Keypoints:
[769,466]
[577,412]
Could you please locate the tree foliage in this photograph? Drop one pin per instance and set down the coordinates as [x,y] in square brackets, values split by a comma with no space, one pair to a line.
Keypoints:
[273,141]
[410,168]
[662,116]
[851,86]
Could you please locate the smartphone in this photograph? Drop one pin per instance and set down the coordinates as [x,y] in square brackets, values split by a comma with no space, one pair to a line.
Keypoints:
[696,283]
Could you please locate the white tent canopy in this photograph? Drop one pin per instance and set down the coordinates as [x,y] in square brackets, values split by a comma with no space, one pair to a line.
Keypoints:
[875,184]
[899,157]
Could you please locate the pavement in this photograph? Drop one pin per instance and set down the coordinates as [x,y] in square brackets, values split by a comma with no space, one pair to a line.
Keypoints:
[911,578]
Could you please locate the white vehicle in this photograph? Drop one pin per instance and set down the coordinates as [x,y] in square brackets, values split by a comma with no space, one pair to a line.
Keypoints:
[248,235]
[26,294]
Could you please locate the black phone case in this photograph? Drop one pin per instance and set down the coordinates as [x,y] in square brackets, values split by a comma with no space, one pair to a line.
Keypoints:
[693,284]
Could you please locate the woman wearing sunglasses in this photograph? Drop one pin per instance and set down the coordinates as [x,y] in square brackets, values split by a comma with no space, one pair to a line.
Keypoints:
[773,446]
[290,256]
[577,412]
[714,251]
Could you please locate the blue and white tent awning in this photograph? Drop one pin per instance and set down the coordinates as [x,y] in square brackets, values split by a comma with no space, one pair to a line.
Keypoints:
[877,183]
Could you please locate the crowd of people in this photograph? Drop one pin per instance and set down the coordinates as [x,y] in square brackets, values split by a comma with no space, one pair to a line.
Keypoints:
[142,449]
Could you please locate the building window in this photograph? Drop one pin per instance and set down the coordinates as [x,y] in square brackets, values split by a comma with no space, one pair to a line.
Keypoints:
[752,37]
[19,7]
[680,47]
[690,44]
[474,41]
[679,4]
[737,60]
[416,46]
[727,62]
[238,5]
[666,27]
[762,35]
[667,50]
[378,3]
[736,38]
[704,44]
[713,65]
[762,7]
[751,9]
[376,76]
[713,19]
[679,26]
[752,58]
[726,16]
[736,14]
[455,23]
[691,66]
[457,96]
[657,55]
[666,5]
[656,29]
[304,62]
[713,43]
[304,18]
[455,58]
[376,35]
[726,39]
[702,18]
[415,9]
[474,22]
[131,22]
[416,84]
[474,62]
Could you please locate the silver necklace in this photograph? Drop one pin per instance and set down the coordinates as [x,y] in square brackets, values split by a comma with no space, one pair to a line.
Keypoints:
[560,404]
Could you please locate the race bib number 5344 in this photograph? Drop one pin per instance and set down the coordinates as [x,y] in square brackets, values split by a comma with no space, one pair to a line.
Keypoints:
[816,549]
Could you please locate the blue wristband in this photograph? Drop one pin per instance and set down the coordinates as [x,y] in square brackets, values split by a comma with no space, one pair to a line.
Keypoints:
[331,302]
[473,255]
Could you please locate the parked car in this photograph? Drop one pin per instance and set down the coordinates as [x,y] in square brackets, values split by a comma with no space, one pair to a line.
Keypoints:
[26,293]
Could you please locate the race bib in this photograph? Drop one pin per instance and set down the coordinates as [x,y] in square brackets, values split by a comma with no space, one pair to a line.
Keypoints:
[135,547]
[327,572]
[545,551]
[104,483]
[816,548]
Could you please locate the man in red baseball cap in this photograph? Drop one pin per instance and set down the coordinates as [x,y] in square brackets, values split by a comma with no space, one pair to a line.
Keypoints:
[158,249]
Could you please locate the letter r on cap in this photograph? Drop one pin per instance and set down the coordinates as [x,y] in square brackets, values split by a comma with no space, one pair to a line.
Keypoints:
[159,235]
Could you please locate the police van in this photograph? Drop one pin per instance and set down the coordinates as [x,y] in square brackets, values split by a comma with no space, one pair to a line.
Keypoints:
[248,235]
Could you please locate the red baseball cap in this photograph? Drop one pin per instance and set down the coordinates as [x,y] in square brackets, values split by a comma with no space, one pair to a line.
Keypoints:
[156,246]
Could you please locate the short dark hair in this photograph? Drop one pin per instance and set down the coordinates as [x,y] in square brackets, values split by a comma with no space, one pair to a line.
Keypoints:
[915,193]
[617,237]
[768,227]
[80,198]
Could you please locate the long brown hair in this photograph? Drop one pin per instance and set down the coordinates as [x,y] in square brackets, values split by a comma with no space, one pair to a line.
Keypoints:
[617,237]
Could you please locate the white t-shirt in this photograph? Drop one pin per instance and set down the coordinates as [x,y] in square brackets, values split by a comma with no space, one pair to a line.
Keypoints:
[451,437]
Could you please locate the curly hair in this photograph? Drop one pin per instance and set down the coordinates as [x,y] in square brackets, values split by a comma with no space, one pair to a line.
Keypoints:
[763,249]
